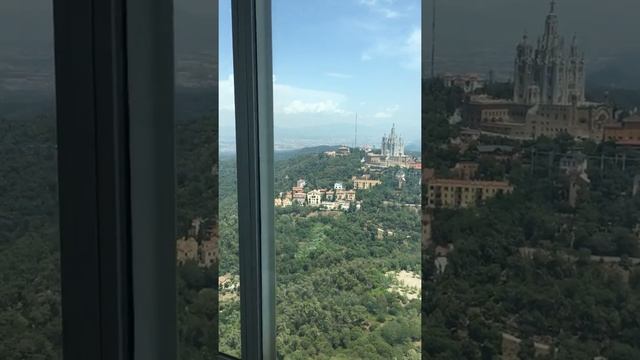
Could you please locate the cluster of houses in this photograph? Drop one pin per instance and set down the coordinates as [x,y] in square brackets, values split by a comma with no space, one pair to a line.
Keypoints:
[338,198]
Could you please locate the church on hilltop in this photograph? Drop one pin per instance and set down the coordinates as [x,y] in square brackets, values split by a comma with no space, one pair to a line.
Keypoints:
[549,74]
[548,94]
[391,153]
[392,145]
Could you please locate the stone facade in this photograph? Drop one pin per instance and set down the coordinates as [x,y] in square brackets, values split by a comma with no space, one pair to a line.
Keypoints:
[186,249]
[625,133]
[549,94]
[314,198]
[455,193]
[467,82]
[549,74]
[524,122]
[364,183]
[205,254]
[392,145]
[465,170]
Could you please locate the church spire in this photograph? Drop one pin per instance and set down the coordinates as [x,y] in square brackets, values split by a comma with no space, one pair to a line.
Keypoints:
[553,6]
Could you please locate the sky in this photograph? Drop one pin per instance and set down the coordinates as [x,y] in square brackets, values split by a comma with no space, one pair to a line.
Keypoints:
[333,59]
[336,58]
[477,35]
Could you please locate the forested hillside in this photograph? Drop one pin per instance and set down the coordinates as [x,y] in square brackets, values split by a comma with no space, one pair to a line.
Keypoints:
[530,264]
[29,257]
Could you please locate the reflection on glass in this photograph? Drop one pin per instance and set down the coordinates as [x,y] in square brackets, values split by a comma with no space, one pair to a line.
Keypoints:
[197,251]
[347,109]
[30,314]
[531,243]
[229,281]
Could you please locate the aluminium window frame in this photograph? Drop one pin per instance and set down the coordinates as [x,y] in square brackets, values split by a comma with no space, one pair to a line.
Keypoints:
[115,125]
[253,77]
[114,96]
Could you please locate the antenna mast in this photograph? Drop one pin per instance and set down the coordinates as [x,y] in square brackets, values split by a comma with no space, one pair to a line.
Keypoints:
[355,142]
[433,41]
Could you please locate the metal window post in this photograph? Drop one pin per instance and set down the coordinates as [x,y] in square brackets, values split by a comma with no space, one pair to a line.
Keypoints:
[114,89]
[93,177]
[151,110]
[254,143]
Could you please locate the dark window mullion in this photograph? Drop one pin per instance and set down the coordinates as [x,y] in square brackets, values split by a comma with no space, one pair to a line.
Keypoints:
[254,142]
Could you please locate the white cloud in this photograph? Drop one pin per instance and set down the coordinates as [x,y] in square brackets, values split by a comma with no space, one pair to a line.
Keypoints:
[382,7]
[289,100]
[407,50]
[320,107]
[387,113]
[339,75]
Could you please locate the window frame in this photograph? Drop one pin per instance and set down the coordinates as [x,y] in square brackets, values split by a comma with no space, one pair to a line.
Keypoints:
[116,178]
[93,179]
[253,77]
[115,125]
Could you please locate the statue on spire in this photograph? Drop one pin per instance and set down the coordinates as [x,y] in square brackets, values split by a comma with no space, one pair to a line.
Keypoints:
[553,6]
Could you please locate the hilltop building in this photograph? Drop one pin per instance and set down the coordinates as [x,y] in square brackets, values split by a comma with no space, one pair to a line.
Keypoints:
[205,253]
[549,93]
[392,145]
[455,193]
[187,249]
[465,170]
[467,82]
[625,133]
[364,182]
[391,153]
[343,150]
[573,162]
[314,198]
[337,198]
[300,198]
[548,74]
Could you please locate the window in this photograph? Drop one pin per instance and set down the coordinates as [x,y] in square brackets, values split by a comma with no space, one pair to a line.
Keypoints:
[490,263]
[541,229]
[199,223]
[345,108]
[30,304]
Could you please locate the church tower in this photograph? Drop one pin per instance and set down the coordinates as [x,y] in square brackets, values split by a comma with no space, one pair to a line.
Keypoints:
[549,75]
[392,145]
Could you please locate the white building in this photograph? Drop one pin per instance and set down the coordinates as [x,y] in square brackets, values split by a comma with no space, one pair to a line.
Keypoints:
[314,198]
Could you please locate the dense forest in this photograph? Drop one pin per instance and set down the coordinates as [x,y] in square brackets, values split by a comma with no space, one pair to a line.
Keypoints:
[333,291]
[528,264]
[30,321]
[335,298]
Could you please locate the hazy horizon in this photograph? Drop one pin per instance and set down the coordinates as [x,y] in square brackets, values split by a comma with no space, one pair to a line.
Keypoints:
[339,58]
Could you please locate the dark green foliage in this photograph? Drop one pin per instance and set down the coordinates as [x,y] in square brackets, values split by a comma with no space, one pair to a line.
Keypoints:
[333,298]
[585,307]
[30,321]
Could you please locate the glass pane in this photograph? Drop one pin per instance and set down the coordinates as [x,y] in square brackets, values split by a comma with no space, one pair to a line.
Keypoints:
[531,180]
[230,341]
[30,314]
[196,41]
[347,134]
